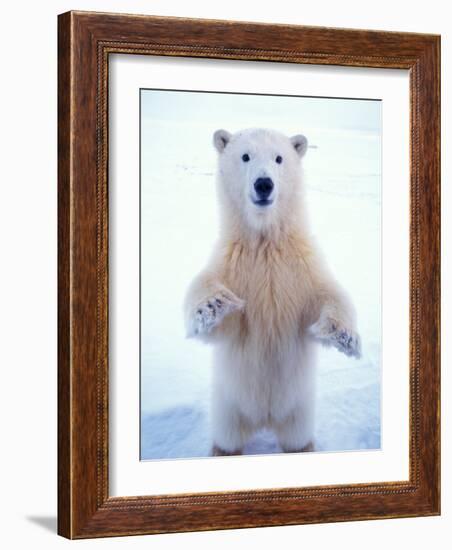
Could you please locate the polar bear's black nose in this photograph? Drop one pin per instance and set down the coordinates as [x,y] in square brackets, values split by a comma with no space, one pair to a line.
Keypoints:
[263,187]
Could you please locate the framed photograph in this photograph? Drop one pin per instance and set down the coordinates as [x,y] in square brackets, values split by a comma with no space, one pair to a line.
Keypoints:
[249,263]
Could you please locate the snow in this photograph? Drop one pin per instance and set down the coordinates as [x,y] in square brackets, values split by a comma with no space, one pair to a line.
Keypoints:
[179,222]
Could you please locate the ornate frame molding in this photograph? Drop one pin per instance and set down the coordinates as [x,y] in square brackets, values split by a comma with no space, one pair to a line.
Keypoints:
[85,42]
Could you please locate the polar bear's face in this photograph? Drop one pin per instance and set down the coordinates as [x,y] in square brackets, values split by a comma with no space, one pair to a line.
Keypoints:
[259,172]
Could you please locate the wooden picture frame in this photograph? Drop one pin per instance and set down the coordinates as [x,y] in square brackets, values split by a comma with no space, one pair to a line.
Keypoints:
[85,42]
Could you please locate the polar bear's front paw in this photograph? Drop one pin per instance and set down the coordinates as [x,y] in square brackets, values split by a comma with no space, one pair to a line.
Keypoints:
[211,312]
[333,333]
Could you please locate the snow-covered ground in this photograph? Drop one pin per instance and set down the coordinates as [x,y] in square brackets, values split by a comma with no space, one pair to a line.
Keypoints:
[179,227]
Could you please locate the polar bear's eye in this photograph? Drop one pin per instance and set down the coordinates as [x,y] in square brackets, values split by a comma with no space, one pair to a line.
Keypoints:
[278,159]
[245,157]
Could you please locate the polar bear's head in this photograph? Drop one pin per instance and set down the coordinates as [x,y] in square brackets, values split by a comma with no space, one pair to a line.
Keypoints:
[259,174]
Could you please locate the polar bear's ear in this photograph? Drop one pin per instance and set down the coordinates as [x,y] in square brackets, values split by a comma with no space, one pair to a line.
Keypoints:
[300,144]
[221,139]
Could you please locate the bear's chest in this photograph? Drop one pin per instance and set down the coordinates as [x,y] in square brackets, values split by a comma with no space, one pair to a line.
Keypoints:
[276,286]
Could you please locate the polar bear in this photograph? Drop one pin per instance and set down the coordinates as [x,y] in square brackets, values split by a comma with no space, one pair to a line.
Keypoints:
[266,296]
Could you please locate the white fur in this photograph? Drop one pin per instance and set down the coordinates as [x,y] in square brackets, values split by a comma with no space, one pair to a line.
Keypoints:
[265,297]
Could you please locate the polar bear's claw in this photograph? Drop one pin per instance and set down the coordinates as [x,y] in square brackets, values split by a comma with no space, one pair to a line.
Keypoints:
[211,312]
[331,333]
[348,343]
